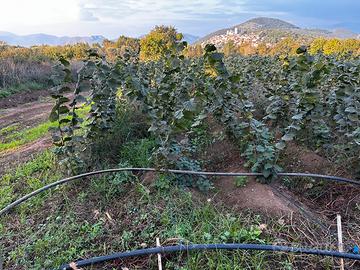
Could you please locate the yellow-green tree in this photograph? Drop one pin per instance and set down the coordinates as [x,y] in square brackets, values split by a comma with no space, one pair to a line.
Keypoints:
[194,51]
[229,48]
[160,41]
[246,48]
[332,46]
[317,45]
[351,45]
[113,49]
[286,46]
[262,49]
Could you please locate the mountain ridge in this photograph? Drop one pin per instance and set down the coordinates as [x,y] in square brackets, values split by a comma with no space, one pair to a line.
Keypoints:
[46,39]
[264,29]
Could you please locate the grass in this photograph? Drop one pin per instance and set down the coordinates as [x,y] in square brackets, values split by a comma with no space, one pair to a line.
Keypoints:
[131,217]
[15,139]
[9,129]
[25,136]
[137,153]
[27,177]
[24,87]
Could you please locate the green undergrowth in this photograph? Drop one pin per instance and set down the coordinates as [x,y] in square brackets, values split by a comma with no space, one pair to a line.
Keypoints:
[24,87]
[41,170]
[13,138]
[25,136]
[118,212]
[9,129]
[125,211]
[103,218]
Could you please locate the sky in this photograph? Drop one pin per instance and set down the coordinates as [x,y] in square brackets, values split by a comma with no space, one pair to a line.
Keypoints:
[112,18]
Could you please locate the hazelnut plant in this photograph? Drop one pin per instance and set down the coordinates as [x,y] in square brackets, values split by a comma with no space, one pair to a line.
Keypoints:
[307,97]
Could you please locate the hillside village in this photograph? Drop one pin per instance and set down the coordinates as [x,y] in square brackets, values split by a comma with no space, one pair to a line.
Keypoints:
[269,31]
[236,37]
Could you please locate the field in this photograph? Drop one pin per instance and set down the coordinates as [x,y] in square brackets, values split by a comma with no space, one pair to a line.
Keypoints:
[236,114]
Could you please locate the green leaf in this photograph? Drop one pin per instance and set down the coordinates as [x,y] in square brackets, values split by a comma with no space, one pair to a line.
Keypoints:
[260,148]
[288,137]
[353,117]
[64,62]
[179,114]
[64,121]
[266,173]
[63,100]
[190,105]
[152,128]
[234,78]
[210,48]
[217,56]
[63,109]
[280,145]
[350,110]
[54,116]
[80,99]
[298,116]
[301,49]
[268,166]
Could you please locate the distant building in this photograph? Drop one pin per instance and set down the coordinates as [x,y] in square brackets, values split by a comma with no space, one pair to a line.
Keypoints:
[236,31]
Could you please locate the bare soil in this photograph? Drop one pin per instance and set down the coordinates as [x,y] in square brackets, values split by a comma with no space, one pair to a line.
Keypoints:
[324,199]
[253,196]
[25,116]
[302,159]
[22,98]
[224,156]
[332,196]
[22,154]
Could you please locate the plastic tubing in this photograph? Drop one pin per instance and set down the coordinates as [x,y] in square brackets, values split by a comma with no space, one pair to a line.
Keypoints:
[65,180]
[179,248]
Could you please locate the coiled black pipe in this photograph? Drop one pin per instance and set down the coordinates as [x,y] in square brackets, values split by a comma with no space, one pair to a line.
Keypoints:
[63,181]
[178,248]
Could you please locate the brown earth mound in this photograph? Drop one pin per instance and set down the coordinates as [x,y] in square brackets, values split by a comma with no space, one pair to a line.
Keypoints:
[253,196]
[304,160]
[22,98]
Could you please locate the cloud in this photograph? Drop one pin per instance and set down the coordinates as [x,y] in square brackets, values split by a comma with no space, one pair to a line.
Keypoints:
[87,15]
[198,17]
[202,16]
[310,13]
[161,9]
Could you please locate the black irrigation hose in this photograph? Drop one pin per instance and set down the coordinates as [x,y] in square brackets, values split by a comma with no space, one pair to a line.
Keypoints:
[63,181]
[169,249]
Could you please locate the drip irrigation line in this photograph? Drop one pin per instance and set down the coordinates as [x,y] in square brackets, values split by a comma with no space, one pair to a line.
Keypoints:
[179,248]
[65,180]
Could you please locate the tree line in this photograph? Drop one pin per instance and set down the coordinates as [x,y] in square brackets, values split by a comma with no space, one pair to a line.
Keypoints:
[162,39]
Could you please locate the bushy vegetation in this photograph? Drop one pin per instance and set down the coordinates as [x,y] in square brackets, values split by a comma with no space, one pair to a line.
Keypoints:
[23,69]
[310,99]
[18,75]
[28,69]
[288,46]
[124,217]
[159,42]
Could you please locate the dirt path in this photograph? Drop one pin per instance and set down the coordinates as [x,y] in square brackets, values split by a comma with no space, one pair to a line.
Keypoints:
[9,159]
[25,116]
